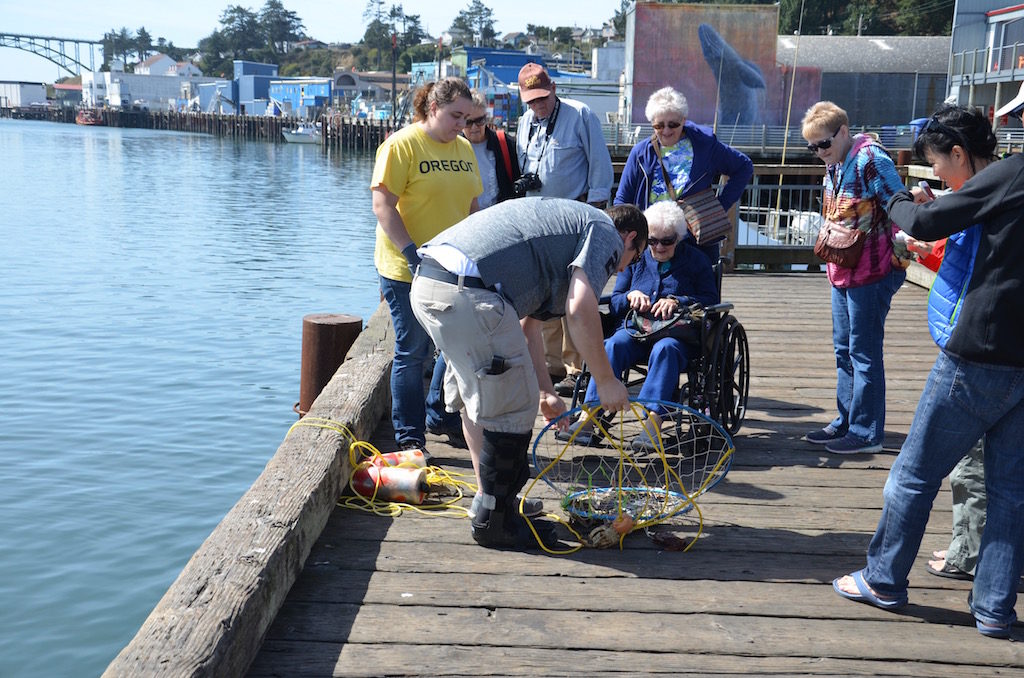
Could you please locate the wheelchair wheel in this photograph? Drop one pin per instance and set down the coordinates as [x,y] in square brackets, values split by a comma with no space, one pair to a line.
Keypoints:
[731,375]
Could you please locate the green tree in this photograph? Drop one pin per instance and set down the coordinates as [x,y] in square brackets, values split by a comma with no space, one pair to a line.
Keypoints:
[125,44]
[377,38]
[241,31]
[619,20]
[280,25]
[413,33]
[477,20]
[143,43]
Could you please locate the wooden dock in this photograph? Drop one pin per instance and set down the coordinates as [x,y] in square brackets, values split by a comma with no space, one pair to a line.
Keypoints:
[414,595]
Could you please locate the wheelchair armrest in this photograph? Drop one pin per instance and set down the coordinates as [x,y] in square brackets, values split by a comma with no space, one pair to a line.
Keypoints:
[719,308]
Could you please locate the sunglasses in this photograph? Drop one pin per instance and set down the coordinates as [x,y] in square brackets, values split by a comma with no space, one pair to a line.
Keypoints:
[672,124]
[825,144]
[473,122]
[664,242]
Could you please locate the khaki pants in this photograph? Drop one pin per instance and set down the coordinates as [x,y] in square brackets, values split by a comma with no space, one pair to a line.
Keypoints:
[490,374]
[560,353]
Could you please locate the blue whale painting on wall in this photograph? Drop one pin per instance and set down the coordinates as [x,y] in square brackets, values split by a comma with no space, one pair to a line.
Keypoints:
[739,80]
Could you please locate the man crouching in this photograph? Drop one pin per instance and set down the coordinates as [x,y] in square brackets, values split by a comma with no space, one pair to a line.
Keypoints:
[481,292]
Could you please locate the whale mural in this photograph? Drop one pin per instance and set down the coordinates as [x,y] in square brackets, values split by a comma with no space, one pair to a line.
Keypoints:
[740,82]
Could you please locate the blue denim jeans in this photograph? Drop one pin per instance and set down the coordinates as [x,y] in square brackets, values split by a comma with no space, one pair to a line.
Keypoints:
[961,402]
[666,360]
[437,416]
[858,329]
[413,351]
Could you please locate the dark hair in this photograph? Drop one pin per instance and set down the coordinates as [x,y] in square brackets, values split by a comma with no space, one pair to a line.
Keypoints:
[440,93]
[955,125]
[629,218]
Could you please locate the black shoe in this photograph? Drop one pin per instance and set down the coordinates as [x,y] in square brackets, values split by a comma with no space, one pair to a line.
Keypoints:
[515,533]
[567,386]
[456,438]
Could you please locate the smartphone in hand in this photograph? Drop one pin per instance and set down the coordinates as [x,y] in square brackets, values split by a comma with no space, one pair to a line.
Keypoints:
[926,187]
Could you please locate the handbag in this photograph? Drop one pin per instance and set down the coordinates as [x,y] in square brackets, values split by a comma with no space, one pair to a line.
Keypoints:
[705,216]
[646,328]
[840,245]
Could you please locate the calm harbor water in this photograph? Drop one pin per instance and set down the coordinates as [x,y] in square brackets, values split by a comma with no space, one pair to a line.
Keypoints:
[153,288]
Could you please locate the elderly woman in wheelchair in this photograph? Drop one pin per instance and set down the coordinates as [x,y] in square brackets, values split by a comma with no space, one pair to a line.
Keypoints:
[669,276]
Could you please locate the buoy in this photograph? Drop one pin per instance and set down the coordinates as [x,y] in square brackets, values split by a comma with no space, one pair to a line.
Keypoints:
[391,483]
[405,458]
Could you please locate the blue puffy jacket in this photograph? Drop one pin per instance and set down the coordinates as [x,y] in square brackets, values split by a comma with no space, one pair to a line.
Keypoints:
[946,298]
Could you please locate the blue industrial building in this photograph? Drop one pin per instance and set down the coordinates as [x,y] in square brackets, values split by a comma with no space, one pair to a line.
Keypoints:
[301,97]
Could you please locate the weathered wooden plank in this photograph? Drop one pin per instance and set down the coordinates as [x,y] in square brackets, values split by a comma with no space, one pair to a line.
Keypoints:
[891,639]
[299,659]
[212,619]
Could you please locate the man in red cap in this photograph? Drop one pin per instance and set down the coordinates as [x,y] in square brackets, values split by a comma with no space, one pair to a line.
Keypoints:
[562,154]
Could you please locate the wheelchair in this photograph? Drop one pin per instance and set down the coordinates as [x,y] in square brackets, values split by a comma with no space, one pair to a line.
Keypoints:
[717,381]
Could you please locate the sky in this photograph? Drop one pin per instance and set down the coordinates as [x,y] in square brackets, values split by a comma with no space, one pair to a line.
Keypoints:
[185,22]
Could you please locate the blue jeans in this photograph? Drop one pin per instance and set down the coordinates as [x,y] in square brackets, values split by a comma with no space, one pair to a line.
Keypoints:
[961,402]
[437,416]
[858,328]
[666,360]
[413,351]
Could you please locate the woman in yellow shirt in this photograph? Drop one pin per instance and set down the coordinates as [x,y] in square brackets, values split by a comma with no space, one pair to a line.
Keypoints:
[425,179]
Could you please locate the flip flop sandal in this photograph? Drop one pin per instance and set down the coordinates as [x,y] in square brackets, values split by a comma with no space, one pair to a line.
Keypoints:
[950,572]
[866,595]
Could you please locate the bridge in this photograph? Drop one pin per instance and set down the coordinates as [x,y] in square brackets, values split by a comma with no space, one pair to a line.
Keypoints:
[68,53]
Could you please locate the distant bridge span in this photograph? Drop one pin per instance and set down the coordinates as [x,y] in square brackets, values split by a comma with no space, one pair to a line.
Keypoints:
[65,52]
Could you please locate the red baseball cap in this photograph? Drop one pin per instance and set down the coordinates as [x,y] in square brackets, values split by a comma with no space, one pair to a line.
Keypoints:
[534,82]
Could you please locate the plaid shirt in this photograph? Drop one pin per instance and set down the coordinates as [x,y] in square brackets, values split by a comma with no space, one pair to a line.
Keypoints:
[856,193]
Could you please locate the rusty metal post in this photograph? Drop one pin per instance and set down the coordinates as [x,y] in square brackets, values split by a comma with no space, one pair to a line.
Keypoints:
[326,338]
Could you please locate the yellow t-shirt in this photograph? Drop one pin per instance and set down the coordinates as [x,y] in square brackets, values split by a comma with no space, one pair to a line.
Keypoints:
[435,183]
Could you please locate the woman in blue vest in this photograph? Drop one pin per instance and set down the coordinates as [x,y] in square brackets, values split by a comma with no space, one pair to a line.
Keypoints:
[976,387]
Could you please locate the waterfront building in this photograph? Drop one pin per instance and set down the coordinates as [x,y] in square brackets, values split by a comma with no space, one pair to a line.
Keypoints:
[301,97]
[158,83]
[14,93]
[987,61]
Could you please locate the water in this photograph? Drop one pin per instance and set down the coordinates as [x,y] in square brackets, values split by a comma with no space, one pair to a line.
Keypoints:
[153,288]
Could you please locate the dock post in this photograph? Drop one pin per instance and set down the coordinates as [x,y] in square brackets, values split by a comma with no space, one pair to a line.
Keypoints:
[326,338]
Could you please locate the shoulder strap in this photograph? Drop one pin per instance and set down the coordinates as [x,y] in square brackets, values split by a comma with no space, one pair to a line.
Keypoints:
[664,172]
[504,152]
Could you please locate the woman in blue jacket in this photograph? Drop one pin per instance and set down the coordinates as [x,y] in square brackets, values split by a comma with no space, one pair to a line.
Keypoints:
[691,155]
[670,274]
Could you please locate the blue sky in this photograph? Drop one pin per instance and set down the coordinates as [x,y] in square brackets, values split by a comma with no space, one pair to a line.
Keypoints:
[184,22]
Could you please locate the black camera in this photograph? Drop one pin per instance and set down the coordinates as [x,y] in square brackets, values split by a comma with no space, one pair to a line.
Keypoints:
[525,183]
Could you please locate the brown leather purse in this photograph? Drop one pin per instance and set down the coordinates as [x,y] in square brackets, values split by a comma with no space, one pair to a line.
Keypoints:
[840,245]
[705,216]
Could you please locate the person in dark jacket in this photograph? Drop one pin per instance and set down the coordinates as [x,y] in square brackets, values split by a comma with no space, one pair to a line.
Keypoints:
[499,168]
[669,275]
[975,388]
[692,155]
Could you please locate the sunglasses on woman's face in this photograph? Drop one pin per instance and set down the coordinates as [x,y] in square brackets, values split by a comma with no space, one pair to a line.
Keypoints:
[671,124]
[664,242]
[824,144]
[473,122]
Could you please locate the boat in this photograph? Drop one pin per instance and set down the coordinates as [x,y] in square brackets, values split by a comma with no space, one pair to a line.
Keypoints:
[89,116]
[304,133]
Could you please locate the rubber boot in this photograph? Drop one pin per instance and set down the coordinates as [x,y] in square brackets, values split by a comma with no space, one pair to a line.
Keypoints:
[503,473]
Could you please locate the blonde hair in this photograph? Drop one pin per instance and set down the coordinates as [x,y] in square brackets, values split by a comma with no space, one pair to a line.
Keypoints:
[823,116]
[666,213]
[440,93]
[666,100]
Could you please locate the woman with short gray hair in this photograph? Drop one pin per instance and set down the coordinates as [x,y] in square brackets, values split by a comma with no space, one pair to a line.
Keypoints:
[680,159]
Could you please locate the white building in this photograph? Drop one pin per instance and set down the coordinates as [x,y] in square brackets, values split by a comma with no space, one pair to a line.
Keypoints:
[158,64]
[14,93]
[118,89]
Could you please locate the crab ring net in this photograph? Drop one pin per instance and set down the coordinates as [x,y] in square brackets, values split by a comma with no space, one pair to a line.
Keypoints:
[630,466]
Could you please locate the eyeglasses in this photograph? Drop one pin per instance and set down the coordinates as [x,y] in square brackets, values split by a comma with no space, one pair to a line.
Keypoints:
[473,122]
[664,242]
[824,144]
[671,124]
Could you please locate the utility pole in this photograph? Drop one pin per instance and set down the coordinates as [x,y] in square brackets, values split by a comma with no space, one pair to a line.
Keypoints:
[394,79]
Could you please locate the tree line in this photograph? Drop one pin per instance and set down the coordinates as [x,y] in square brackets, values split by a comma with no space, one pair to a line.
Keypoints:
[392,33]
